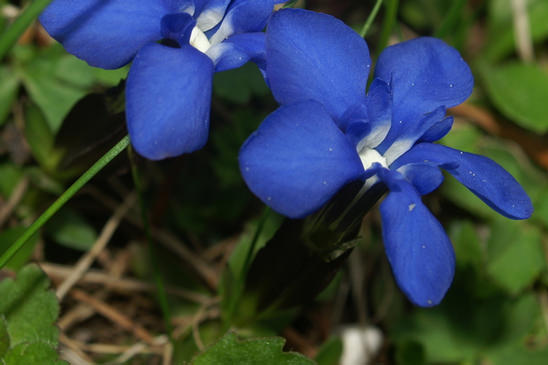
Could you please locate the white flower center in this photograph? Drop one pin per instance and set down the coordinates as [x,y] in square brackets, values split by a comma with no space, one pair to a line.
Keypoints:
[369,156]
[199,40]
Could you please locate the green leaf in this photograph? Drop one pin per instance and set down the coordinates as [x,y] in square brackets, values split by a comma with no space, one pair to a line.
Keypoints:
[29,307]
[467,324]
[70,229]
[38,353]
[110,77]
[520,317]
[265,351]
[239,85]
[8,91]
[91,127]
[55,81]
[520,92]
[517,355]
[4,337]
[234,276]
[330,353]
[466,243]
[40,138]
[29,310]
[541,207]
[11,175]
[410,353]
[515,255]
[8,237]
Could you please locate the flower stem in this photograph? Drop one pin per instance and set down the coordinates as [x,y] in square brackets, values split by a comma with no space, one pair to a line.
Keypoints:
[251,251]
[12,34]
[69,193]
[158,277]
[370,18]
[388,23]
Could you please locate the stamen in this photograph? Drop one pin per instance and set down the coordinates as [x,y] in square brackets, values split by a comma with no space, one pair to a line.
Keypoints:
[199,40]
[369,156]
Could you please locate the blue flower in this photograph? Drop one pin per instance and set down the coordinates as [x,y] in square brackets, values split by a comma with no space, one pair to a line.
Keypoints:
[168,89]
[328,133]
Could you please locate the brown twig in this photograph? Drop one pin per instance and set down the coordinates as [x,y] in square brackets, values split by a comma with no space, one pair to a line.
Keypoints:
[300,343]
[122,284]
[196,329]
[522,30]
[208,275]
[189,322]
[202,269]
[106,233]
[73,345]
[140,348]
[114,315]
[168,354]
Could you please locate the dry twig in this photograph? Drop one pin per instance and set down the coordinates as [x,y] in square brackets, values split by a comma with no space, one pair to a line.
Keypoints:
[114,315]
[522,30]
[85,262]
[204,271]
[57,272]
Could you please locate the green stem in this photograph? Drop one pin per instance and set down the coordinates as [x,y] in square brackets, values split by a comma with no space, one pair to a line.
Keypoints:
[251,251]
[370,18]
[158,277]
[12,34]
[69,193]
[388,23]
[452,18]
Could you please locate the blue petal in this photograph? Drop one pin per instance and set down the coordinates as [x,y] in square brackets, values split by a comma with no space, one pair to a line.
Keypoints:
[298,159]
[484,177]
[438,130]
[316,56]
[243,16]
[357,131]
[105,34]
[182,6]
[424,73]
[379,111]
[238,50]
[168,97]
[416,245]
[368,123]
[199,5]
[392,149]
[211,14]
[424,177]
[177,27]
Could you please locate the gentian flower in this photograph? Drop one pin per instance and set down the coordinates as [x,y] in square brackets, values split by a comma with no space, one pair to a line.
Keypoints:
[328,133]
[175,45]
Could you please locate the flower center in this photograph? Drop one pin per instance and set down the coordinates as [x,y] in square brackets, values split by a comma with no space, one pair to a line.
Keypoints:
[369,156]
[199,40]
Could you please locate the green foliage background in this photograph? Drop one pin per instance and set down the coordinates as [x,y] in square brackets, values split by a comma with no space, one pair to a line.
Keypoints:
[58,115]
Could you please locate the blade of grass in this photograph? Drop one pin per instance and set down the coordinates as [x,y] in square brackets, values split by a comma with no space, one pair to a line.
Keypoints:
[371,18]
[390,14]
[12,34]
[452,18]
[251,251]
[69,193]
